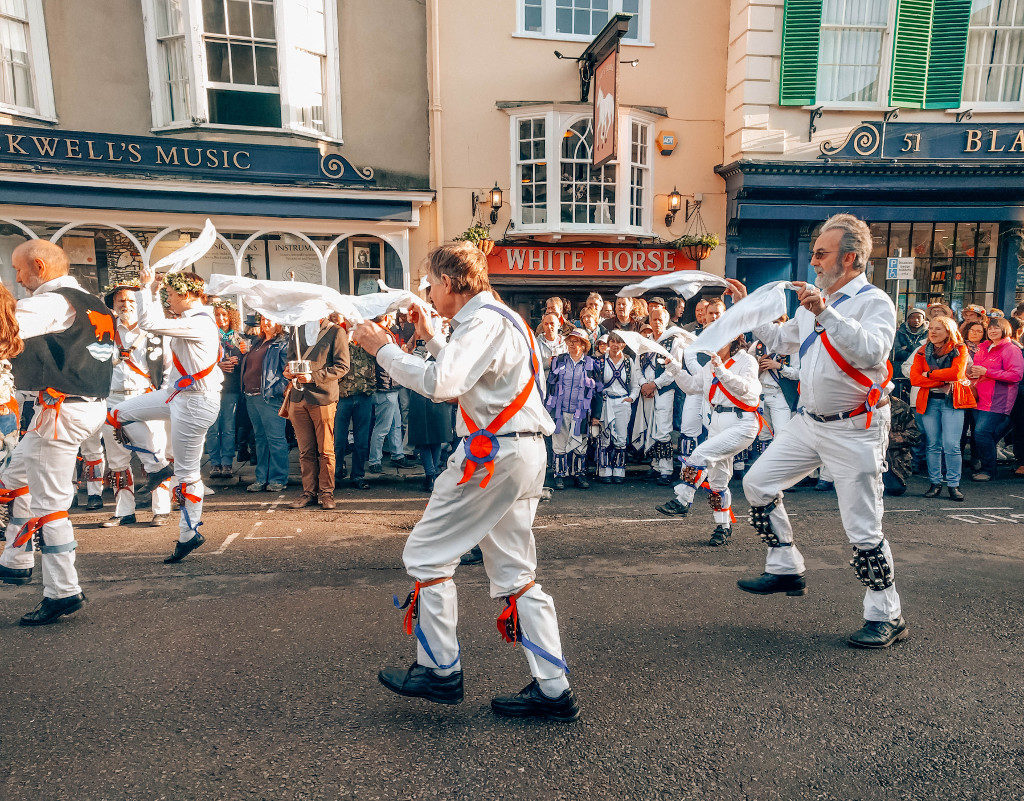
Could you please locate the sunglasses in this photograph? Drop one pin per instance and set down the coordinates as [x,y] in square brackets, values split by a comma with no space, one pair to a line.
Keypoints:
[820,254]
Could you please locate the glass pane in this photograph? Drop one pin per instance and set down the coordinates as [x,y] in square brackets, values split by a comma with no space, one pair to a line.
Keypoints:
[263,21]
[262,109]
[922,240]
[168,17]
[533,20]
[538,129]
[213,16]
[524,130]
[238,18]
[581,22]
[218,67]
[981,12]
[879,240]
[15,8]
[242,68]
[563,20]
[965,233]
[266,69]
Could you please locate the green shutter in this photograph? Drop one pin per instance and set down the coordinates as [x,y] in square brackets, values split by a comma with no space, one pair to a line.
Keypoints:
[928,53]
[948,52]
[801,30]
[910,53]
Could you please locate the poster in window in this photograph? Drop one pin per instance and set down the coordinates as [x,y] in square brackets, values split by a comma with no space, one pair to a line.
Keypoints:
[605,112]
[366,266]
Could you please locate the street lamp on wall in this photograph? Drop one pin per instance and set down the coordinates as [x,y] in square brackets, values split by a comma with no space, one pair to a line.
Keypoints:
[495,200]
[675,202]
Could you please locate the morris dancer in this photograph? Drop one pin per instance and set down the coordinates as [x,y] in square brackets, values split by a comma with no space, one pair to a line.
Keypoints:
[619,392]
[69,348]
[843,337]
[695,413]
[729,385]
[658,389]
[574,401]
[488,494]
[190,400]
[142,361]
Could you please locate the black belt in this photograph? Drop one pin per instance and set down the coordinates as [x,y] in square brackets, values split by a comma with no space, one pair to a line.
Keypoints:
[521,435]
[723,409]
[831,418]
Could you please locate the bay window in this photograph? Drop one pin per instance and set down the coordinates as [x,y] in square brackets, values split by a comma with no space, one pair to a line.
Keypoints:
[582,20]
[25,87]
[262,64]
[556,188]
[995,53]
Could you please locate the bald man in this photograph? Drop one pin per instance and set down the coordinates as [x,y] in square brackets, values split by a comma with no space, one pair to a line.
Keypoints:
[68,360]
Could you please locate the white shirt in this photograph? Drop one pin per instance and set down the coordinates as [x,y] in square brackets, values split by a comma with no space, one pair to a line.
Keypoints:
[125,379]
[790,371]
[485,365]
[740,379]
[44,311]
[862,329]
[195,340]
[632,391]
[548,349]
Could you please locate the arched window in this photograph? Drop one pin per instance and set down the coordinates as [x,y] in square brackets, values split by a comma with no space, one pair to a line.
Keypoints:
[587,193]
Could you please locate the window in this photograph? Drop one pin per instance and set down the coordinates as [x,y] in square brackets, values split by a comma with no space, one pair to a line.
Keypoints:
[995,52]
[24,61]
[853,34]
[571,194]
[581,19]
[245,63]
[532,171]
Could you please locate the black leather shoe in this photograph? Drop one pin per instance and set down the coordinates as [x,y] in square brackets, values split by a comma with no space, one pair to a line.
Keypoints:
[114,522]
[824,486]
[720,536]
[879,633]
[474,556]
[159,520]
[770,583]
[955,494]
[183,549]
[663,481]
[360,484]
[158,478]
[582,483]
[421,682]
[674,507]
[95,502]
[617,479]
[933,491]
[530,702]
[558,483]
[15,575]
[51,609]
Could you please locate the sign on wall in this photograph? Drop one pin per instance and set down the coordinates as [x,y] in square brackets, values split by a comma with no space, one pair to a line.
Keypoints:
[606,76]
[151,155]
[938,141]
[899,268]
[567,262]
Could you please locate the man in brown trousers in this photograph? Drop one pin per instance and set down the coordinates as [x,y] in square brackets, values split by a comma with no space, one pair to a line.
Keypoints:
[311,402]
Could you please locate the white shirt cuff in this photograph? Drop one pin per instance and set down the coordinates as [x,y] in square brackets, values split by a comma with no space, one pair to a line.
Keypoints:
[387,355]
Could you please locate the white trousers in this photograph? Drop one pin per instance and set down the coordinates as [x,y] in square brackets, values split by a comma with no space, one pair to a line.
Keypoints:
[190,414]
[570,448]
[854,457]
[45,463]
[498,518]
[693,416]
[95,466]
[615,416]
[727,436]
[151,435]
[777,411]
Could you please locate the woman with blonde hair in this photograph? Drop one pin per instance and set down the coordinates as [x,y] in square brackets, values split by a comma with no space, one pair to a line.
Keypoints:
[944,392]
[11,345]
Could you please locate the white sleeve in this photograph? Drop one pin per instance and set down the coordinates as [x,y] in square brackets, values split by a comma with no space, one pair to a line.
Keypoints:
[48,313]
[151,318]
[781,338]
[458,366]
[866,342]
[741,378]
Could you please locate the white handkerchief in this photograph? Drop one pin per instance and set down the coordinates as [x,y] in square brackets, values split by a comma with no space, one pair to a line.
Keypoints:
[763,305]
[189,254]
[683,282]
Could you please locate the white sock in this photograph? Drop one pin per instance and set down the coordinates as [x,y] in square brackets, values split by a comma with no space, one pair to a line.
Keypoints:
[553,688]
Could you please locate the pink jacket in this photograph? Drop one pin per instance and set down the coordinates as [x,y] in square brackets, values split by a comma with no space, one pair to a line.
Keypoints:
[1004,363]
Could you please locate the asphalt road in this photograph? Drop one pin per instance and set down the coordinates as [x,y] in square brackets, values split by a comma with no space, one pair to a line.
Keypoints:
[249,670]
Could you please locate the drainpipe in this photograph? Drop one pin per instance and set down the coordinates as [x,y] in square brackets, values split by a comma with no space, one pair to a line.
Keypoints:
[436,139]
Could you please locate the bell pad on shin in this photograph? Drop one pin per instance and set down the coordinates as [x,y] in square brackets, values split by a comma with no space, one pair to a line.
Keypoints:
[715,501]
[760,519]
[872,567]
[690,475]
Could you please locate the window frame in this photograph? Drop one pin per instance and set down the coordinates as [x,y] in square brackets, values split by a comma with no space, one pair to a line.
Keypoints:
[982,105]
[192,20]
[557,121]
[548,31]
[884,69]
[39,69]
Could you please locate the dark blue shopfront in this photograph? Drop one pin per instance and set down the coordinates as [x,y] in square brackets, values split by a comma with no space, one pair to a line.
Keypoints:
[959,213]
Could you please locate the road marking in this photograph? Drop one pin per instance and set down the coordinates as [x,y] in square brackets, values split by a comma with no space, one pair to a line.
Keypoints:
[975,508]
[226,543]
[895,511]
[255,526]
[1016,496]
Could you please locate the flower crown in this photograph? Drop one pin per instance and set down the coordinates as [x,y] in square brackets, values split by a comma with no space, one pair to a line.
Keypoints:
[131,284]
[183,283]
[224,303]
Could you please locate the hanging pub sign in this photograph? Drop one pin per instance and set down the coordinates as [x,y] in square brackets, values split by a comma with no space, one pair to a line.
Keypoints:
[612,263]
[600,64]
[152,155]
[938,141]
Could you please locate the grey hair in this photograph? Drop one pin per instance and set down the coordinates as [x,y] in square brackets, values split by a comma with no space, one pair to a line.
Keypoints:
[856,238]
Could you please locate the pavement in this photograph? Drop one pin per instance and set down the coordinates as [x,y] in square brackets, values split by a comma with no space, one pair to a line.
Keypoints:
[248,671]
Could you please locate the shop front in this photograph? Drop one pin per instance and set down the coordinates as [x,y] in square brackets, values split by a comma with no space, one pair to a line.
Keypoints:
[526,274]
[946,195]
[118,203]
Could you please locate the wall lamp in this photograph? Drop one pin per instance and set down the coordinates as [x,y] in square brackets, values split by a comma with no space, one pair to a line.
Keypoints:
[494,198]
[675,205]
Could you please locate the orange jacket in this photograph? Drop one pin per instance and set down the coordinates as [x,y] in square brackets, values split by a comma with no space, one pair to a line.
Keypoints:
[937,378]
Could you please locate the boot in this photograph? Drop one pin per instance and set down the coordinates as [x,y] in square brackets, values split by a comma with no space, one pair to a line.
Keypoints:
[933,491]
[769,583]
[93,503]
[558,483]
[955,494]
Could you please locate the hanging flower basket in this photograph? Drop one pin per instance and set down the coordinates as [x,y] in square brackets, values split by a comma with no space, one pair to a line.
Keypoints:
[697,247]
[479,235]
[696,252]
